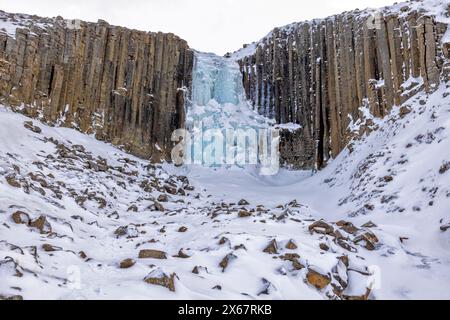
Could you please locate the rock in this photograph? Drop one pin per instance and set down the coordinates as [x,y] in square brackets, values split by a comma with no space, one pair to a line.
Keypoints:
[29,125]
[244,214]
[223,240]
[42,225]
[319,281]
[347,227]
[268,287]
[226,261]
[120,231]
[240,247]
[133,208]
[182,255]
[49,248]
[444,168]
[445,227]
[337,81]
[158,277]
[404,110]
[11,297]
[129,231]
[153,254]
[290,256]
[182,229]
[293,257]
[358,298]
[272,247]
[243,202]
[20,217]
[82,255]
[11,179]
[321,227]
[199,269]
[324,247]
[369,224]
[159,206]
[291,245]
[122,81]
[368,238]
[127,263]
[388,178]
[163,198]
[170,189]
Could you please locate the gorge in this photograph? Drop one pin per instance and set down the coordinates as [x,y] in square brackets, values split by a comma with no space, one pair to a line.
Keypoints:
[356,107]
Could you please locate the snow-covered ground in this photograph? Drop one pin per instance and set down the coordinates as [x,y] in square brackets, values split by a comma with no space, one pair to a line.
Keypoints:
[81,219]
[396,177]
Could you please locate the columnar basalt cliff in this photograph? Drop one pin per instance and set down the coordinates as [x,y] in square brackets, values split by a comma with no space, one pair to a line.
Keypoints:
[125,86]
[319,74]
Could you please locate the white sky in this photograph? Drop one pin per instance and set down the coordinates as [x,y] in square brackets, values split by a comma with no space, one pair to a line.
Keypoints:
[208,25]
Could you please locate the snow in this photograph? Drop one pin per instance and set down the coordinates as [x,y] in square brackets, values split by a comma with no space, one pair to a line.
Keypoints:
[395,176]
[436,8]
[9,23]
[348,184]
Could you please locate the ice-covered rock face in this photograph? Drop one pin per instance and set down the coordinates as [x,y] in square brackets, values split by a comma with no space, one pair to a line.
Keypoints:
[220,117]
[216,78]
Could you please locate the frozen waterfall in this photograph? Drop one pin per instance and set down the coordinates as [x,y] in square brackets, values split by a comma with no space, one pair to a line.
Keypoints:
[224,128]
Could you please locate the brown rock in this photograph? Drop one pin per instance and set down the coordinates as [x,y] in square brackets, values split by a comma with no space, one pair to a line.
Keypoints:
[50,248]
[182,255]
[318,280]
[272,247]
[163,198]
[226,261]
[368,238]
[153,254]
[321,227]
[29,125]
[291,245]
[20,217]
[170,189]
[182,229]
[158,277]
[127,263]
[159,206]
[347,227]
[42,225]
[244,214]
[11,179]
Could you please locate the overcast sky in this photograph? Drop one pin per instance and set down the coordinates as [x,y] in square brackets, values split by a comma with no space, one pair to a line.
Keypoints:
[208,25]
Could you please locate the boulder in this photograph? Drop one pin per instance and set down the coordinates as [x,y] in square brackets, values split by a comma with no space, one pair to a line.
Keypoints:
[159,278]
[318,280]
[42,225]
[152,254]
[20,217]
[127,263]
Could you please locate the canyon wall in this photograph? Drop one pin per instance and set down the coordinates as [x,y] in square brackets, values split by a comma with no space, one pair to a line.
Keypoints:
[125,86]
[318,74]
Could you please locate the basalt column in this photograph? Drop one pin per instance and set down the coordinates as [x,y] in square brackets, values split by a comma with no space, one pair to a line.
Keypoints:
[125,86]
[319,74]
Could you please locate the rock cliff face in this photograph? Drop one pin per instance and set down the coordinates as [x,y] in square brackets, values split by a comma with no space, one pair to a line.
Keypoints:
[125,86]
[319,73]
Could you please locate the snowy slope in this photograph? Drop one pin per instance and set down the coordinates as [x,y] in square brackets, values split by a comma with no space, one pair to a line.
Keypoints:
[68,218]
[396,177]
[404,254]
